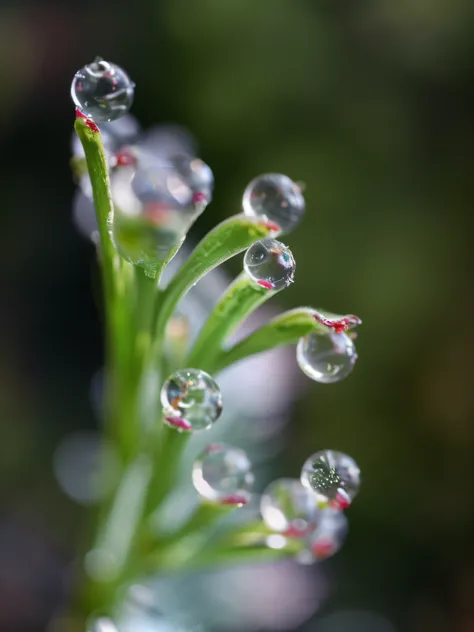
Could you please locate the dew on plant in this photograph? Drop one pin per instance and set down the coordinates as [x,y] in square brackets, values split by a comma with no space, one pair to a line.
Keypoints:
[333,476]
[102,90]
[101,624]
[288,507]
[197,175]
[223,474]
[191,400]
[327,539]
[326,358]
[270,264]
[275,197]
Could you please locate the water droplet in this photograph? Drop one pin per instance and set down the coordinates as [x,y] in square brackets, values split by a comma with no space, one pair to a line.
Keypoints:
[334,476]
[198,176]
[289,507]
[102,91]
[327,539]
[270,264]
[222,474]
[191,400]
[277,198]
[326,358]
[101,624]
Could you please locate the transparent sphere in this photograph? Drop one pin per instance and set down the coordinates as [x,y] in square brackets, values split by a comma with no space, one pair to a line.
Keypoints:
[289,507]
[270,264]
[334,476]
[326,358]
[276,198]
[191,400]
[327,539]
[197,175]
[102,90]
[222,474]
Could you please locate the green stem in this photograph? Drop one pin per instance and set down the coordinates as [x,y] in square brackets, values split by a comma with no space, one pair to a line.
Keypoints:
[241,298]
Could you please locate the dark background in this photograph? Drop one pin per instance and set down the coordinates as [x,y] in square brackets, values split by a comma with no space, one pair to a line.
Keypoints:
[371,103]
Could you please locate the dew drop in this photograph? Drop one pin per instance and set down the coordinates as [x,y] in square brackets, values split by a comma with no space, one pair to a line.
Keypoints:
[289,508]
[101,624]
[191,400]
[270,264]
[197,175]
[222,473]
[327,539]
[102,91]
[277,198]
[326,358]
[334,476]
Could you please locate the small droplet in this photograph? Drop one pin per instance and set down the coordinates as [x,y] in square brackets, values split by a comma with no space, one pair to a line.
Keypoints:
[289,508]
[334,476]
[326,358]
[327,539]
[102,91]
[222,474]
[198,176]
[191,400]
[101,624]
[277,198]
[270,264]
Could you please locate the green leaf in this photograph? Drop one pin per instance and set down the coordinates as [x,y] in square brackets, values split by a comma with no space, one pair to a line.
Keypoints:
[287,328]
[241,298]
[223,242]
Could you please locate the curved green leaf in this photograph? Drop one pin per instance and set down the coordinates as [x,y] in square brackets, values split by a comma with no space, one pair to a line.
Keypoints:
[223,242]
[241,298]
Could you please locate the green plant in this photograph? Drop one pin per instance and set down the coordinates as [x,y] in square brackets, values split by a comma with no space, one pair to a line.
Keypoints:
[150,432]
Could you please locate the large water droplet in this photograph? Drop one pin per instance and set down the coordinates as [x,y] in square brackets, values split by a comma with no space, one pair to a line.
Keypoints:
[334,476]
[327,539]
[275,197]
[289,507]
[102,90]
[222,473]
[326,358]
[191,400]
[270,264]
[197,175]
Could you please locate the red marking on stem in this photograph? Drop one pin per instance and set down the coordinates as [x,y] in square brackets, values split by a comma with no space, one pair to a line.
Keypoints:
[179,423]
[125,159]
[199,198]
[339,325]
[294,532]
[89,122]
[233,500]
[273,226]
[340,502]
[266,284]
[323,548]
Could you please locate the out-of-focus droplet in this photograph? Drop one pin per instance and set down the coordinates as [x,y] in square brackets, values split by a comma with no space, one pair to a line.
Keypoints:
[191,400]
[86,467]
[101,624]
[289,507]
[327,539]
[333,476]
[222,474]
[270,264]
[197,175]
[277,198]
[102,91]
[326,358]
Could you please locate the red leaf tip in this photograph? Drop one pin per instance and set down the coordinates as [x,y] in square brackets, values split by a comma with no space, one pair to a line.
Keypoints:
[89,122]
[233,500]
[266,284]
[273,226]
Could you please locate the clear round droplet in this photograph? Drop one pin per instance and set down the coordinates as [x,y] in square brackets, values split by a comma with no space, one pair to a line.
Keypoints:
[222,473]
[327,539]
[333,476]
[289,508]
[326,358]
[270,264]
[191,400]
[102,90]
[275,197]
[197,175]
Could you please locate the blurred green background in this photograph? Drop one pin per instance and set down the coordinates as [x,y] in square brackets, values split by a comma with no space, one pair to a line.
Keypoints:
[371,104]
